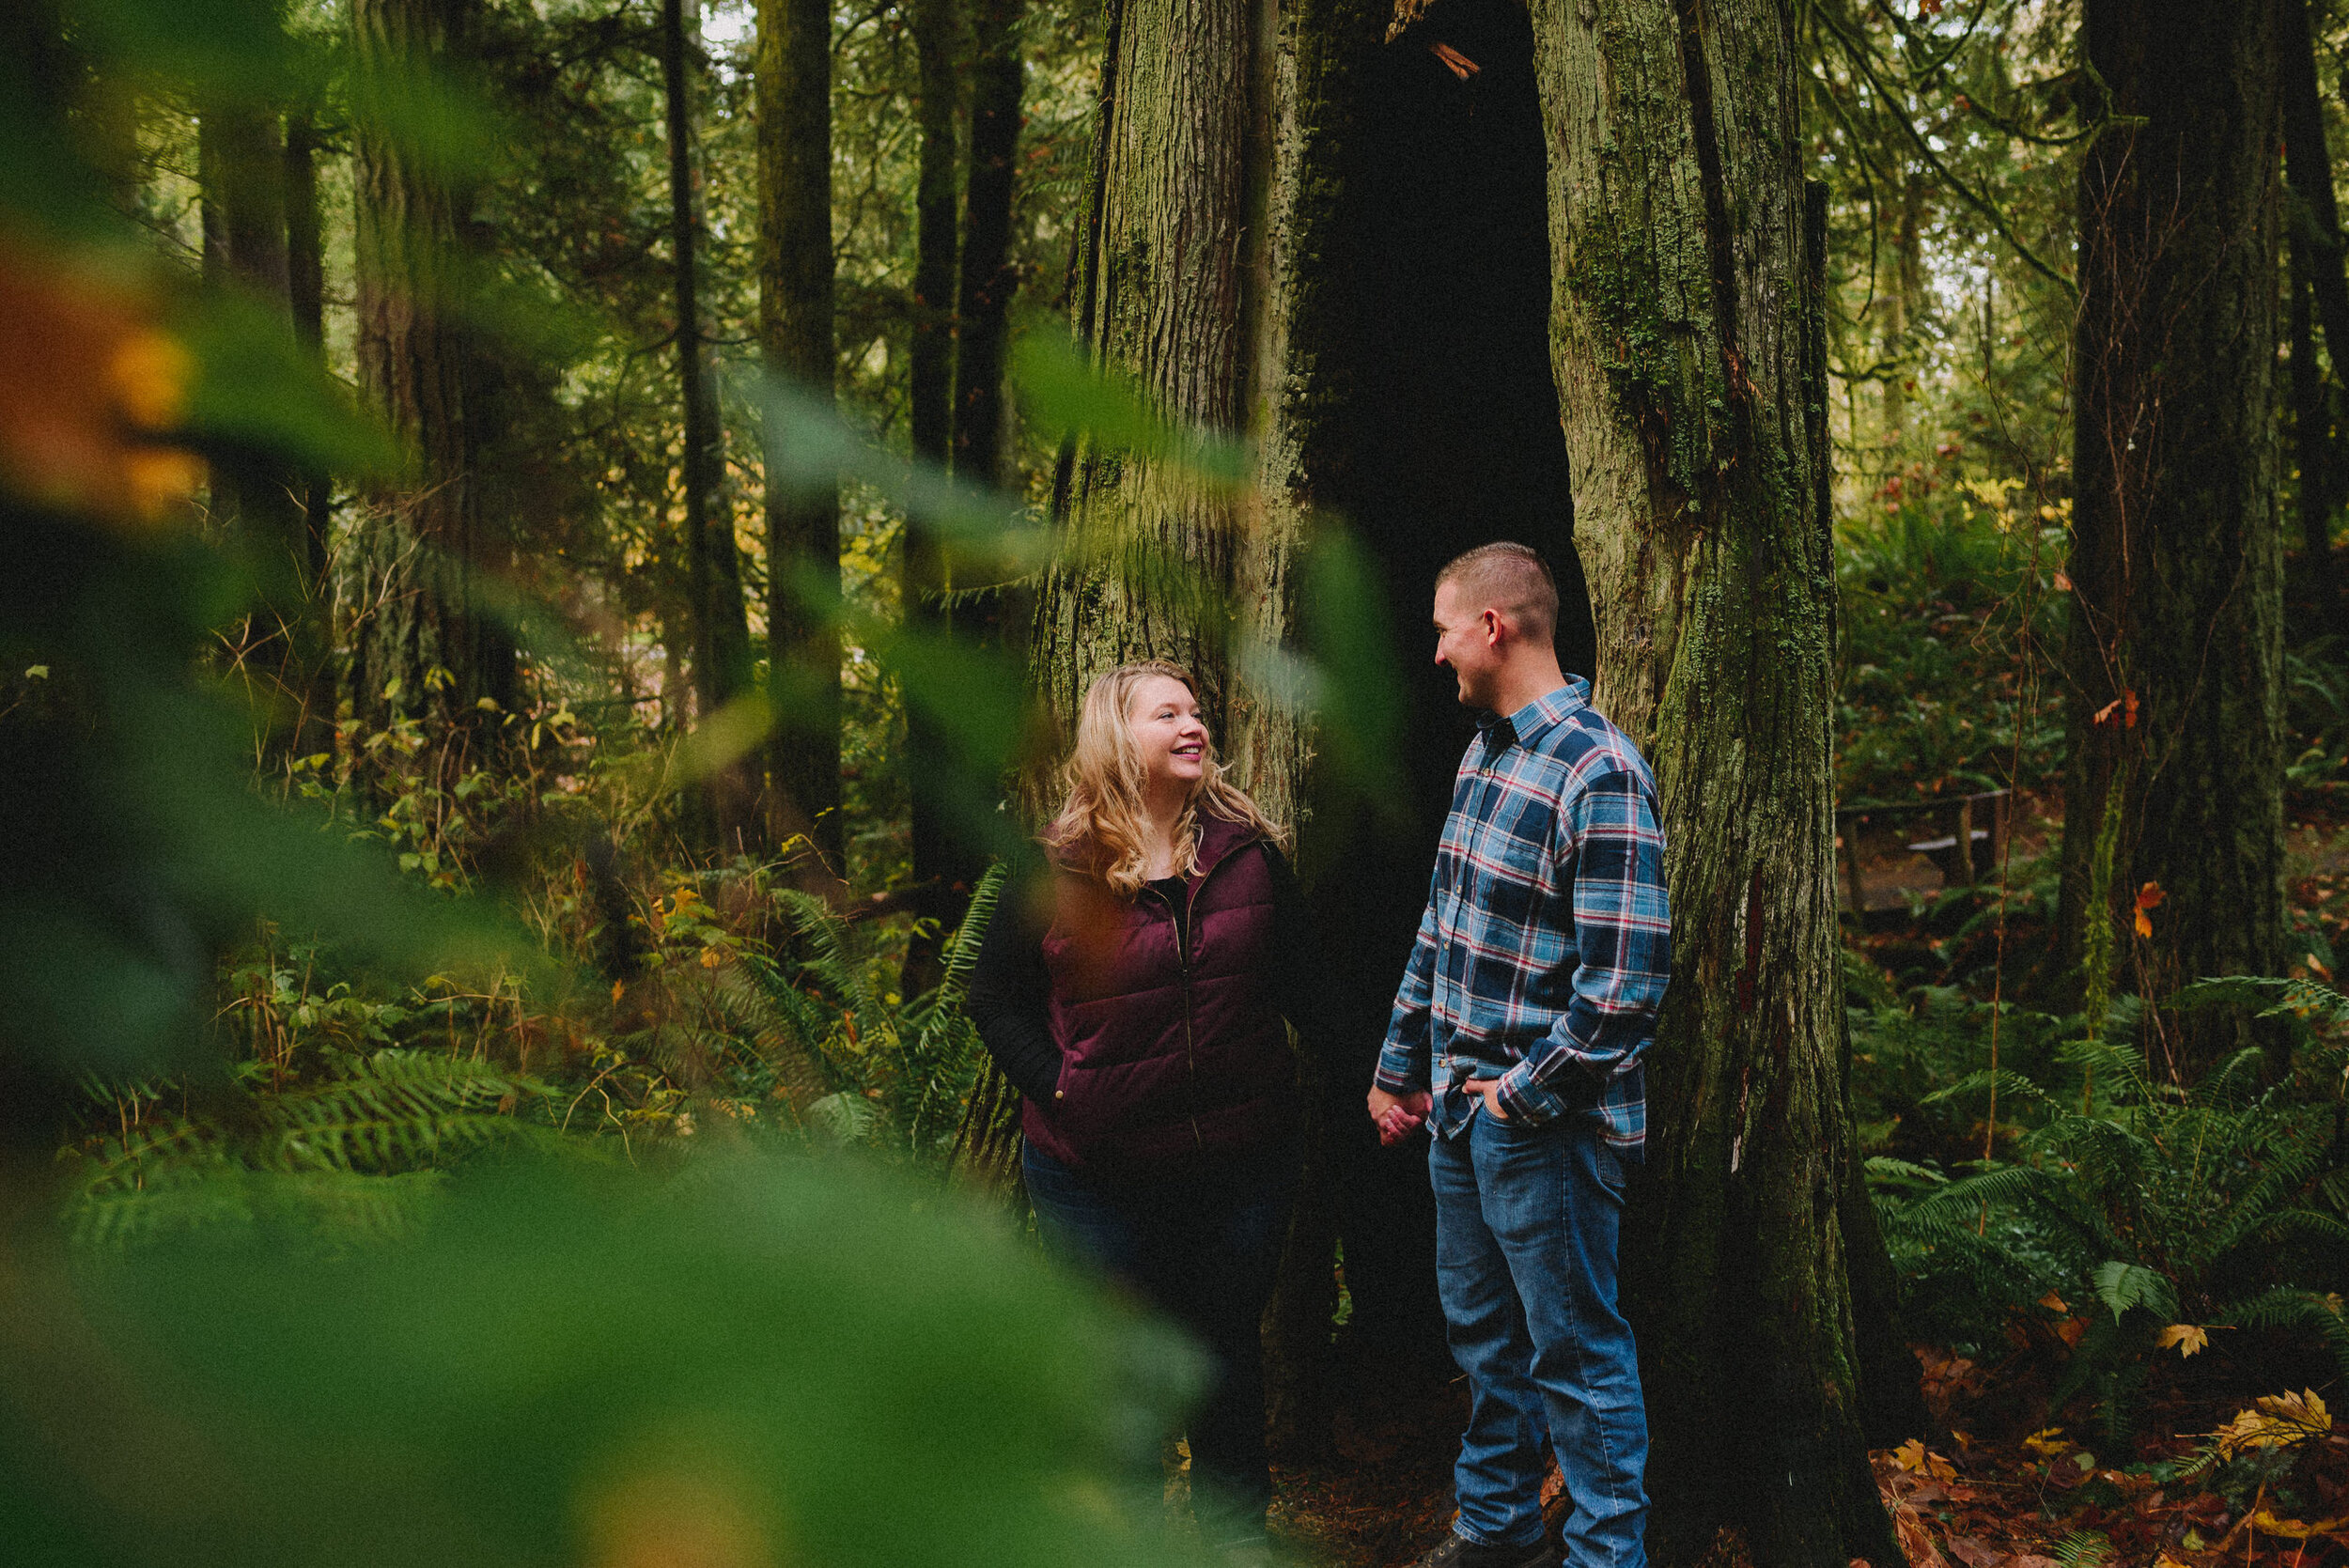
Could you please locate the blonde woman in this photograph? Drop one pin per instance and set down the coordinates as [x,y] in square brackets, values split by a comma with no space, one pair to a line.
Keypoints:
[1135,995]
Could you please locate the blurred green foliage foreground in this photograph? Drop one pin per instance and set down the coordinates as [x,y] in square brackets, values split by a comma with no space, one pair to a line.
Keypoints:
[563,1351]
[756,1360]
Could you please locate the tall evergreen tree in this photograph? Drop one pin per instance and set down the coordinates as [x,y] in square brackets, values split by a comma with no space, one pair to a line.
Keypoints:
[2173,781]
[1694,391]
[795,325]
[425,641]
[713,570]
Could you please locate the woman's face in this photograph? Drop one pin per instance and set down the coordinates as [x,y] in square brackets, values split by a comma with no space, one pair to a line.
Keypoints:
[1162,716]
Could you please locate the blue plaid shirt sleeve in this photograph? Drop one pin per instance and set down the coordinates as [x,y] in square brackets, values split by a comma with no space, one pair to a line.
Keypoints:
[1403,1060]
[1623,933]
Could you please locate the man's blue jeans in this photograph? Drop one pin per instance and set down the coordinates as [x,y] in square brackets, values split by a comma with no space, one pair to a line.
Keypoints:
[1526,1221]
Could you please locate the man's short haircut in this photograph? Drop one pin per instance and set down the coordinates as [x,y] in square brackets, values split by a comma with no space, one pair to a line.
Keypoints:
[1511,578]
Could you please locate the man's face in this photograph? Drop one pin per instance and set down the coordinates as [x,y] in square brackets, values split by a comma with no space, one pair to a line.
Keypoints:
[1465,643]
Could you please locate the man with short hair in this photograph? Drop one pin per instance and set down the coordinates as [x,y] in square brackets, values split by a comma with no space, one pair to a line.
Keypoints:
[1518,1032]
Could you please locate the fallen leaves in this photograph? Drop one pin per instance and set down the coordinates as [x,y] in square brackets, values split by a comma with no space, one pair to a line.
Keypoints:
[2275,1421]
[2187,1337]
[1914,1457]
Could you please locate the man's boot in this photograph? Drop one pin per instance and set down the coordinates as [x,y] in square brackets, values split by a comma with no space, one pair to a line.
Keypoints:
[1458,1551]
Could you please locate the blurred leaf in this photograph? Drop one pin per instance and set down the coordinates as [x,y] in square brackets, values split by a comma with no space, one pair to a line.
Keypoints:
[1062,394]
[774,1361]
[255,389]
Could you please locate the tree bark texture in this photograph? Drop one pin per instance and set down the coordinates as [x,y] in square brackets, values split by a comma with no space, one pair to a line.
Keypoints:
[2319,269]
[1695,419]
[2175,704]
[1162,297]
[424,644]
[795,324]
[713,572]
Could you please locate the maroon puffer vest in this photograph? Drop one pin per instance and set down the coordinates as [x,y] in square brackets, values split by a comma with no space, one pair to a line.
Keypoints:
[1171,1053]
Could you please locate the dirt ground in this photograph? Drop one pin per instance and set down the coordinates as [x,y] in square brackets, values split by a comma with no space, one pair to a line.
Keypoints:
[1990,1490]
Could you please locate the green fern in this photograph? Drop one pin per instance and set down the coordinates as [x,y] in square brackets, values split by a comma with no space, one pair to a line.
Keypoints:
[356,1152]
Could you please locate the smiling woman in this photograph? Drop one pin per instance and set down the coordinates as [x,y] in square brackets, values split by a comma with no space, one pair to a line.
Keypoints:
[1135,993]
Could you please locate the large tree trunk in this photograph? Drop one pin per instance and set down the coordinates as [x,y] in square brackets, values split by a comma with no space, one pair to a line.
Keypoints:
[713,572]
[1695,427]
[424,644]
[2175,647]
[1212,200]
[1160,299]
[795,327]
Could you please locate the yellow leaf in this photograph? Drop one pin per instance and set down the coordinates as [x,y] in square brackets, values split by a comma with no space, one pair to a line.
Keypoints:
[2280,1420]
[617,987]
[1911,1455]
[712,958]
[2053,1302]
[2293,1529]
[2144,926]
[2047,1441]
[2187,1337]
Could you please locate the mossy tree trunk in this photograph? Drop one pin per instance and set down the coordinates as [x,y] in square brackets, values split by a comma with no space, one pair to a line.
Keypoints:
[795,327]
[424,644]
[2174,707]
[1694,413]
[1212,200]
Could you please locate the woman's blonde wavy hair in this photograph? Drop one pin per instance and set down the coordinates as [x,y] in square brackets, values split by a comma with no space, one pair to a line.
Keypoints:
[1103,818]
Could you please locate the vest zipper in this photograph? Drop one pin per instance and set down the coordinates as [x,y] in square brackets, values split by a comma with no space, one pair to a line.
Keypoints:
[1182,954]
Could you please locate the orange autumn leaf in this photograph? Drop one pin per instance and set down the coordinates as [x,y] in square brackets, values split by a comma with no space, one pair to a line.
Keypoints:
[1914,1457]
[88,383]
[2148,897]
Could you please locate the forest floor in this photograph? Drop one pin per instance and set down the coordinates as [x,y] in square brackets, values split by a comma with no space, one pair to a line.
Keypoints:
[1996,1490]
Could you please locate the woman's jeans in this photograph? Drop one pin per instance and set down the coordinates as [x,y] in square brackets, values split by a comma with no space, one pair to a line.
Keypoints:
[1526,1221]
[1204,1249]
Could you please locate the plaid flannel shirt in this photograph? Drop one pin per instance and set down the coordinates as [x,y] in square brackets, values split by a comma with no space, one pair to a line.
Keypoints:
[1547,944]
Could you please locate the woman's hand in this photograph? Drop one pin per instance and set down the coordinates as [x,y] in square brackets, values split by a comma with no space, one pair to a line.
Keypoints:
[1398,1115]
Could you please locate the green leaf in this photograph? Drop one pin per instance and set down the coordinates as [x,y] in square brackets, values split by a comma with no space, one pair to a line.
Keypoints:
[2122,1285]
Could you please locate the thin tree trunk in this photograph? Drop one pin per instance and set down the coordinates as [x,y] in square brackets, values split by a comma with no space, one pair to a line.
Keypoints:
[2175,647]
[426,645]
[2319,260]
[2312,441]
[794,324]
[713,572]
[989,278]
[941,867]
[306,288]
[1677,220]
[257,493]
